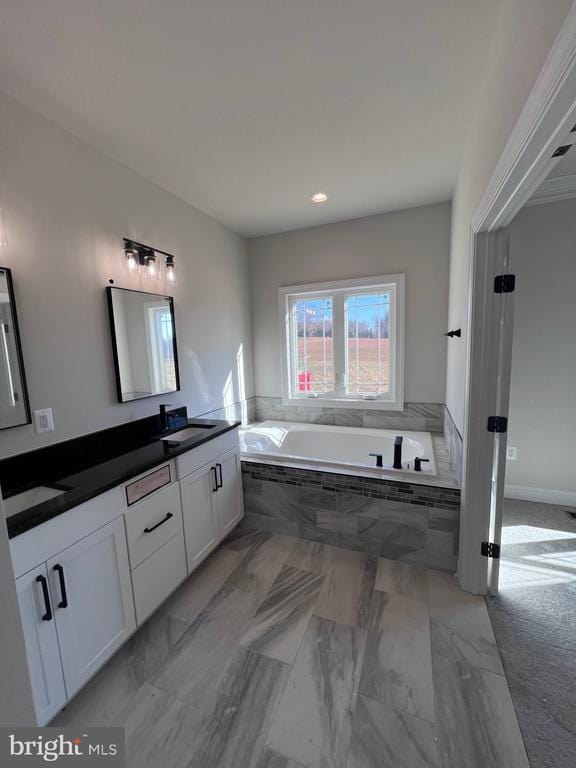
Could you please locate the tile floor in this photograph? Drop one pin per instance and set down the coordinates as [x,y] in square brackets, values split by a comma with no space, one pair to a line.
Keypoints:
[534,618]
[285,653]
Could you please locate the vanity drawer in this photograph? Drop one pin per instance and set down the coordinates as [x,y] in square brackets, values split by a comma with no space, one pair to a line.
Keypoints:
[152,522]
[158,576]
[198,457]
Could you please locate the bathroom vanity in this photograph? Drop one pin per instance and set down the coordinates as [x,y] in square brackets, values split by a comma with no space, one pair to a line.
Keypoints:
[102,548]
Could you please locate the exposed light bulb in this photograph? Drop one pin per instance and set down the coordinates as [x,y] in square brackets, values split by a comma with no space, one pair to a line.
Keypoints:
[151,267]
[170,270]
[131,261]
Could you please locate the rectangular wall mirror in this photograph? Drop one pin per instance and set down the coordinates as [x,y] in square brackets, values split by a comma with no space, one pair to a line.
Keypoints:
[14,405]
[144,342]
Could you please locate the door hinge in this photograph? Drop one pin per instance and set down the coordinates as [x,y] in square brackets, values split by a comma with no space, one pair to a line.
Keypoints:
[489,549]
[497,424]
[504,283]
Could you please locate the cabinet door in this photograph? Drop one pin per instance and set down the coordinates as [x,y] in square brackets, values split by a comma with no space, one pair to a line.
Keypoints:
[199,512]
[230,500]
[93,603]
[41,642]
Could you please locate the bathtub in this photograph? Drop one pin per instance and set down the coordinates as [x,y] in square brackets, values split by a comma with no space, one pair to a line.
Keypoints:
[336,449]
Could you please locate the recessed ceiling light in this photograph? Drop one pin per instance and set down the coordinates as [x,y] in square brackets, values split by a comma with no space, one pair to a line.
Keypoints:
[319,197]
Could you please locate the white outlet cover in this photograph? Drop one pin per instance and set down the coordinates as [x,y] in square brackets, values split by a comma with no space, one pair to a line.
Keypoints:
[43,421]
[512,453]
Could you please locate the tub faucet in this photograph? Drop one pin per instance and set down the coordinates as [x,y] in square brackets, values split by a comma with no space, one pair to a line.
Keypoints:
[418,464]
[398,452]
[378,459]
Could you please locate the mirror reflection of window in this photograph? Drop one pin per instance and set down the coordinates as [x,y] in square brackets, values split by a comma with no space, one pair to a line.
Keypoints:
[145,344]
[14,409]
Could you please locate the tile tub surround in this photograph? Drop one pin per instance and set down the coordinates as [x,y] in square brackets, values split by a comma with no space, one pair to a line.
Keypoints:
[331,660]
[455,445]
[410,523]
[419,417]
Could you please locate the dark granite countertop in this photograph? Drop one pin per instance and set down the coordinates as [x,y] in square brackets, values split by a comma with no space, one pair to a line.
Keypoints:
[148,451]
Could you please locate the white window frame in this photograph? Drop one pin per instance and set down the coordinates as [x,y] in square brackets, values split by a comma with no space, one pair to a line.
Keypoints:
[392,401]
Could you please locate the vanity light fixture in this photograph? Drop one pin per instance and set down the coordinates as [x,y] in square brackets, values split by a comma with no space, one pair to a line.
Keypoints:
[319,198]
[144,258]
[170,270]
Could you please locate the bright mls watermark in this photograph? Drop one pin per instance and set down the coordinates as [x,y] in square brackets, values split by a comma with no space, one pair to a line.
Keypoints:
[62,746]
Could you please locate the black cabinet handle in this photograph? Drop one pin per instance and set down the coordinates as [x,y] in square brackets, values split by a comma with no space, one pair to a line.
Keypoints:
[219,483]
[216,486]
[165,520]
[60,571]
[48,615]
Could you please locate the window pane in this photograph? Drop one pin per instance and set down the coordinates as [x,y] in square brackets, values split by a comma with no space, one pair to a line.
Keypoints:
[314,359]
[368,344]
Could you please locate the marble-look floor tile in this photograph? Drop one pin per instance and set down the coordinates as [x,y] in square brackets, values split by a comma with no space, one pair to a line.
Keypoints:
[260,566]
[476,722]
[234,730]
[402,579]
[110,690]
[159,729]
[279,625]
[243,539]
[460,625]
[195,666]
[397,667]
[311,556]
[313,722]
[190,598]
[383,738]
[269,759]
[347,593]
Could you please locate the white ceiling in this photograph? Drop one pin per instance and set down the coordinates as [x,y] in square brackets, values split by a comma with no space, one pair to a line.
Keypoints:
[244,108]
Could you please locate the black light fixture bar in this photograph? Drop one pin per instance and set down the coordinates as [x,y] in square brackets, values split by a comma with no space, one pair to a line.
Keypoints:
[129,243]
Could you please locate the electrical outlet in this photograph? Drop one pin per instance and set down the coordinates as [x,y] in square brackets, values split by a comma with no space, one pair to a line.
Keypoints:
[43,421]
[512,453]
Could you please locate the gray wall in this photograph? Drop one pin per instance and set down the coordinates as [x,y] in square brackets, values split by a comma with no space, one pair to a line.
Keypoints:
[66,208]
[525,33]
[415,241]
[543,391]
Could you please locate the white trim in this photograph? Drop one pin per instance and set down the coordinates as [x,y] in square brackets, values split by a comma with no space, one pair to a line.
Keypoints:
[398,304]
[542,495]
[553,189]
[544,124]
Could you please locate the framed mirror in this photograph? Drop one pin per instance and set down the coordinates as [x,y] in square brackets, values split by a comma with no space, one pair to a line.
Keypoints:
[144,343]
[14,405]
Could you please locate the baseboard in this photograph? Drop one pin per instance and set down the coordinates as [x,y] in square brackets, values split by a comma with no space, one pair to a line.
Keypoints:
[543,495]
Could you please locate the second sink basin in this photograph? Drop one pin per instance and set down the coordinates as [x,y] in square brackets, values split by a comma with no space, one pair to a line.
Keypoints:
[188,433]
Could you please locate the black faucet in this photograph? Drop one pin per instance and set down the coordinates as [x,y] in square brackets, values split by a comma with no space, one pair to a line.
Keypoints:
[398,452]
[378,459]
[418,464]
[172,419]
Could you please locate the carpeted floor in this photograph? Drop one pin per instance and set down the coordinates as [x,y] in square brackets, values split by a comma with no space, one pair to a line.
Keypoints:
[534,619]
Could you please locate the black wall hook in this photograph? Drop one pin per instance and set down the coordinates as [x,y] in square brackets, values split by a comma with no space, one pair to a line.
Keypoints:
[451,334]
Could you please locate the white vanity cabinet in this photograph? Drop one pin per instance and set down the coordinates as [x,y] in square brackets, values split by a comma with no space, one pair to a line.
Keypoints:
[211,490]
[92,601]
[46,675]
[89,576]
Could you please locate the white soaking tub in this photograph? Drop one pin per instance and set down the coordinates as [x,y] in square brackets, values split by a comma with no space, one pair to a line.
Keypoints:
[336,449]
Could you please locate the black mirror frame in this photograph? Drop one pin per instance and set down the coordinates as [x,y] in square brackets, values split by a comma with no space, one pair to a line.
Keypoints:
[20,357]
[170,300]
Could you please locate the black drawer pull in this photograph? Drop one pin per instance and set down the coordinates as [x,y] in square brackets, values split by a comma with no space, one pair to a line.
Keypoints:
[219,483]
[165,520]
[216,486]
[48,615]
[60,571]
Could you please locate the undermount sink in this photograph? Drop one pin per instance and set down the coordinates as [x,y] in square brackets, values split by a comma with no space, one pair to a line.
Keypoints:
[30,498]
[188,433]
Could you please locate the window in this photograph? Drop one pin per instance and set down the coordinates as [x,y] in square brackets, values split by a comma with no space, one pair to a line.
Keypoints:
[343,343]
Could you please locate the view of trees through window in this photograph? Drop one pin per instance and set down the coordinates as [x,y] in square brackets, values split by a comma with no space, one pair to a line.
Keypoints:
[367,344]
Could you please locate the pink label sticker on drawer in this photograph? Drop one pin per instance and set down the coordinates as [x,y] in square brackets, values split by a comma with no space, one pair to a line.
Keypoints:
[147,485]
